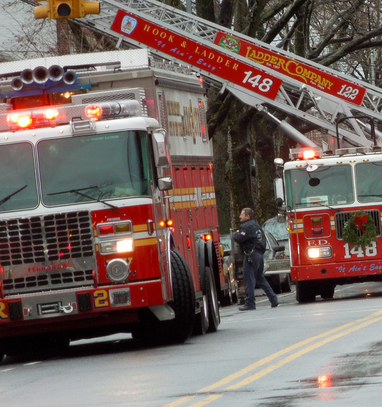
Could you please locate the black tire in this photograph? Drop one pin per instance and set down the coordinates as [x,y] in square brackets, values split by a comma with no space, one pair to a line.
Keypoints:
[327,291]
[286,284]
[201,319]
[213,303]
[180,329]
[2,356]
[305,292]
[274,282]
[151,331]
[227,299]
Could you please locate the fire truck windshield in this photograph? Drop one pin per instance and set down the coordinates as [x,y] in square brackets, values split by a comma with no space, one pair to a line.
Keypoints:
[94,168]
[369,181]
[327,185]
[17,177]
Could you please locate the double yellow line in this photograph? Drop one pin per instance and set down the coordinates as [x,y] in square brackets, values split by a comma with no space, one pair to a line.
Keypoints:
[319,340]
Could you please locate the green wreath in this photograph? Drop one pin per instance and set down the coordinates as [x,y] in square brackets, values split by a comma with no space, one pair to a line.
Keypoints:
[360,229]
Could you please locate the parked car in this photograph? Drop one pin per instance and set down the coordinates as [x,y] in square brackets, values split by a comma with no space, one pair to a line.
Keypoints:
[279,230]
[276,265]
[229,269]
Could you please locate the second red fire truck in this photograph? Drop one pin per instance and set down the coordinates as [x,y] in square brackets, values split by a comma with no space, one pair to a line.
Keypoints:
[333,202]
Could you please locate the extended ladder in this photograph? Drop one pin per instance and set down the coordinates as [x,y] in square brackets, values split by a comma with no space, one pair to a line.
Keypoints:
[259,74]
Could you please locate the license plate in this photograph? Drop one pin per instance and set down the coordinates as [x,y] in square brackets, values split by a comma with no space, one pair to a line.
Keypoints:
[120,297]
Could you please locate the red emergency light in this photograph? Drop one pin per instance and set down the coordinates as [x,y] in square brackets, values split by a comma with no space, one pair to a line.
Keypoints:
[305,153]
[36,118]
[308,154]
[112,109]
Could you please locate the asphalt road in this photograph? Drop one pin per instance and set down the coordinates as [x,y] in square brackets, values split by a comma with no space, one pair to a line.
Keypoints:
[294,355]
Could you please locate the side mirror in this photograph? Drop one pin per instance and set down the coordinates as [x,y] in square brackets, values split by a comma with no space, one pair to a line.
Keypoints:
[165,183]
[279,189]
[279,248]
[160,153]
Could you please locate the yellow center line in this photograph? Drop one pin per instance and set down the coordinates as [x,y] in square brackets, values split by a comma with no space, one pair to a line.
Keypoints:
[331,336]
[180,401]
[300,353]
[201,403]
[282,352]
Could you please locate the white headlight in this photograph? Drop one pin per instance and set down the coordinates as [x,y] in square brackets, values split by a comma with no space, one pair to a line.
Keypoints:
[126,245]
[323,252]
[117,246]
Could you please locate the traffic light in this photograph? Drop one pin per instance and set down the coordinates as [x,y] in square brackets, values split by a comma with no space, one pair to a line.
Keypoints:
[61,9]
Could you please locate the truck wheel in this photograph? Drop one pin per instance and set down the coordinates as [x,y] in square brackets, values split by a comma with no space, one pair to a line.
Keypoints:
[305,292]
[286,285]
[227,299]
[213,303]
[150,331]
[2,355]
[327,291]
[180,328]
[201,320]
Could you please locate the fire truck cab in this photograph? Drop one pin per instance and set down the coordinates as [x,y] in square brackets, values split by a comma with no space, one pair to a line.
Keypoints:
[333,203]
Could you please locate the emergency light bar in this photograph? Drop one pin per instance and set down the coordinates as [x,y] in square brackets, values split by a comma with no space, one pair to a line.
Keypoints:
[36,118]
[305,153]
[112,109]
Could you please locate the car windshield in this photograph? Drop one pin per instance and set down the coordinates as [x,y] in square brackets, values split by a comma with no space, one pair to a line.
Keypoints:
[278,229]
[94,168]
[369,181]
[17,177]
[329,185]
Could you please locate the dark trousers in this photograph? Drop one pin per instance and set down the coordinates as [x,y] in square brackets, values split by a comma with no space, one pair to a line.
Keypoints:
[254,273]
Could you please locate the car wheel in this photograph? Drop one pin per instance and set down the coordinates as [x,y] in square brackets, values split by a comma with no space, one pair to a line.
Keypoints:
[286,284]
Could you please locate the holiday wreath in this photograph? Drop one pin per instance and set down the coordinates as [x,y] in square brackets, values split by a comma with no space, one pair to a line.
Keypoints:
[360,229]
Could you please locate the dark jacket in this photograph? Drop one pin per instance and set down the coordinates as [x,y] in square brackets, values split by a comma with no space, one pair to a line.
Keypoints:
[250,236]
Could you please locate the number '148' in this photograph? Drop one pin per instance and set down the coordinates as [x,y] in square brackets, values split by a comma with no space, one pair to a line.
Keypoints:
[369,251]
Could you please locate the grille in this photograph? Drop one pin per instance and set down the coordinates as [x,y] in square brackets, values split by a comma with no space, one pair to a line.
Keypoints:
[45,238]
[47,252]
[342,217]
[48,281]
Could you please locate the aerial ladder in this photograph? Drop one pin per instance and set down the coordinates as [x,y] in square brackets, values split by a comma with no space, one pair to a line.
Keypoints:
[261,75]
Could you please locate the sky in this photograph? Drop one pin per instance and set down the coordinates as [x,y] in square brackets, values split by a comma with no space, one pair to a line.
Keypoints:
[15,22]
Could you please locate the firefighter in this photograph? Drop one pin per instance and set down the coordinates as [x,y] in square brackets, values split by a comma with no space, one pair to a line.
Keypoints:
[252,241]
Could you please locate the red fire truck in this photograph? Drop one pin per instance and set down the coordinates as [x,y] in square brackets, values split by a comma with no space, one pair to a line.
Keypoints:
[108,219]
[333,202]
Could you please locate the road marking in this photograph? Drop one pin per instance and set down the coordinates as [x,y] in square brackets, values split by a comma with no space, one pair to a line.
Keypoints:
[180,401]
[283,352]
[300,353]
[328,336]
[201,403]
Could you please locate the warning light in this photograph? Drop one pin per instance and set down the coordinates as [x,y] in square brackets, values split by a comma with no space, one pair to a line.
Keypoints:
[93,112]
[168,223]
[305,153]
[207,237]
[308,154]
[60,9]
[37,118]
